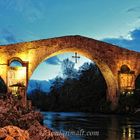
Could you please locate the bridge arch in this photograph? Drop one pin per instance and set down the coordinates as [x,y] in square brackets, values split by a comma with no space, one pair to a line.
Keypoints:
[109,58]
[15,59]
[111,82]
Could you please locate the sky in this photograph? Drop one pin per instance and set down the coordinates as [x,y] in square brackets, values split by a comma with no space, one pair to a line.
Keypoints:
[113,21]
[52,66]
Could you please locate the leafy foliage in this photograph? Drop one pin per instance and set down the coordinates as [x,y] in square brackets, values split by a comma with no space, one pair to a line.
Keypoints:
[81,90]
[68,69]
[129,103]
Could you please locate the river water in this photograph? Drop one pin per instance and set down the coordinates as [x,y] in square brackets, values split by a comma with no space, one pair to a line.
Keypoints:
[87,126]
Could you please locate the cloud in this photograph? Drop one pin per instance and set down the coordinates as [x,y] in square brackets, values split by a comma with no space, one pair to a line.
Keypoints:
[53,61]
[133,9]
[30,10]
[132,43]
[7,37]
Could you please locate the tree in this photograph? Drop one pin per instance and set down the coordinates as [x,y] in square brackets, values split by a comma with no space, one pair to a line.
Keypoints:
[68,69]
[57,83]
[86,93]
[3,87]
[88,67]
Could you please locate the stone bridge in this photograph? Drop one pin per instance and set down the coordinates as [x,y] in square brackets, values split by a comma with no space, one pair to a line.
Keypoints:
[120,67]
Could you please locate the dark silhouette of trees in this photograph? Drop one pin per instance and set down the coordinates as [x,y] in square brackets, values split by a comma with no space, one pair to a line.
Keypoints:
[3,87]
[79,90]
[68,69]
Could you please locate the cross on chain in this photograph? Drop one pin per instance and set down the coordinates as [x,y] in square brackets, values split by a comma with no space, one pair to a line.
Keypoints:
[76,57]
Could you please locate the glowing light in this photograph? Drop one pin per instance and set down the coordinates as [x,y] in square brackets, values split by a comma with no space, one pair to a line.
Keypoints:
[128,133]
[16,75]
[126,81]
[14,90]
[21,73]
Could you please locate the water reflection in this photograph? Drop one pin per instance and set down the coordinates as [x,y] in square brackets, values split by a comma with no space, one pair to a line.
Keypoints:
[86,126]
[128,133]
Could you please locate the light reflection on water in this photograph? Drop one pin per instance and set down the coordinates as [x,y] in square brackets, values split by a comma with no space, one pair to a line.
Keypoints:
[87,126]
[128,133]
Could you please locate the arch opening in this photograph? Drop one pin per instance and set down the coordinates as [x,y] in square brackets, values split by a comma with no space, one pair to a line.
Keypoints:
[105,70]
[15,63]
[17,72]
[3,87]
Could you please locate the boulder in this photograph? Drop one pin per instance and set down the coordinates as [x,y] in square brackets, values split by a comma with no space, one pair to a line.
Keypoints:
[14,117]
[13,133]
[25,121]
[13,113]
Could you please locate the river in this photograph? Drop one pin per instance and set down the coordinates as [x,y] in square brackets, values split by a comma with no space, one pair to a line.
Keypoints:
[87,126]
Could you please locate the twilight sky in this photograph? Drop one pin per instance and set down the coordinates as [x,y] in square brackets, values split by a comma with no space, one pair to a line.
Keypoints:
[113,21]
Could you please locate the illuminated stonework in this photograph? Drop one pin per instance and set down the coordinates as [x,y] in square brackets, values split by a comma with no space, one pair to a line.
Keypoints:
[16,75]
[109,58]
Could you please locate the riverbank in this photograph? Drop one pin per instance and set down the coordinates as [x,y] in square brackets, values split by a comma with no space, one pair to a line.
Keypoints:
[18,122]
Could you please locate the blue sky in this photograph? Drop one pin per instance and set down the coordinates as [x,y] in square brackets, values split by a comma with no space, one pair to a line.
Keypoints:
[113,21]
[51,68]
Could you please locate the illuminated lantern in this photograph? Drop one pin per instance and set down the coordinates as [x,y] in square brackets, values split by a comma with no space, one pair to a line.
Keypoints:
[16,88]
[126,80]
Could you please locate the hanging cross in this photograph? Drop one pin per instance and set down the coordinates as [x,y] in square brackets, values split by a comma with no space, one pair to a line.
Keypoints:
[76,57]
